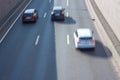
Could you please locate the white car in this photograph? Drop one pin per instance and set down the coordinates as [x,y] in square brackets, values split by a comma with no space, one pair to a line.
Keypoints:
[83,38]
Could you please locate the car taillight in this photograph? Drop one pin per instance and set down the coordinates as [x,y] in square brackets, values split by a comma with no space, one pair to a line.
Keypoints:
[23,17]
[52,12]
[92,40]
[62,12]
[78,41]
[33,17]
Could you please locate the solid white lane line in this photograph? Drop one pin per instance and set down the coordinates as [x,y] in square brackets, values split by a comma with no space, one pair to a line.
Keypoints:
[50,1]
[45,14]
[37,40]
[67,3]
[67,14]
[68,40]
[14,22]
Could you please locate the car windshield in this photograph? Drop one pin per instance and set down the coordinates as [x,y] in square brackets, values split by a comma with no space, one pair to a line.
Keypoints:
[57,11]
[85,38]
[27,14]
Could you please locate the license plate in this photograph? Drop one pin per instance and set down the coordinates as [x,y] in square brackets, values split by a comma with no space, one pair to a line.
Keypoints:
[57,15]
[28,17]
[85,42]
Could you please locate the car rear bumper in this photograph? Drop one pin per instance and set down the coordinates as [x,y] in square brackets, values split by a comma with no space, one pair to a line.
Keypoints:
[82,46]
[29,20]
[57,17]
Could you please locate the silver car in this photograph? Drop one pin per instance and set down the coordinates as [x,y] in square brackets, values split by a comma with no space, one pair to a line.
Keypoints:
[83,38]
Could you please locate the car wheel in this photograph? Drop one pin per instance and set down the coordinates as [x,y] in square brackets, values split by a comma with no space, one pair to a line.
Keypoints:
[23,22]
[37,16]
[52,19]
[93,49]
[35,20]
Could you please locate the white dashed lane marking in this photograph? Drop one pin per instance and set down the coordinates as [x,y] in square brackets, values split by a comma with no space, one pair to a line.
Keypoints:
[67,3]
[67,14]
[68,40]
[50,1]
[37,40]
[45,14]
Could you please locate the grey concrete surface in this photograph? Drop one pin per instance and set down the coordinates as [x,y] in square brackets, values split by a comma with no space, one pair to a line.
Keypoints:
[6,6]
[111,11]
[102,12]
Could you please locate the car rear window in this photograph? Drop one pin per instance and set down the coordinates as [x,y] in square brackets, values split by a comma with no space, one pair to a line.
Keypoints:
[57,11]
[85,38]
[27,14]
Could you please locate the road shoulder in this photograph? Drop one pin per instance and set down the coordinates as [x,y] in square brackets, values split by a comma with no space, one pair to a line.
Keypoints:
[108,38]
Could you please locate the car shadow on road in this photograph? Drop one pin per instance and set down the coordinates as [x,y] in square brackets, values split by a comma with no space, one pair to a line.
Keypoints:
[28,24]
[100,51]
[68,20]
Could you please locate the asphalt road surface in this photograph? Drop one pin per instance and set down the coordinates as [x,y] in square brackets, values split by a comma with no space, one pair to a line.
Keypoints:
[28,51]
[74,64]
[45,50]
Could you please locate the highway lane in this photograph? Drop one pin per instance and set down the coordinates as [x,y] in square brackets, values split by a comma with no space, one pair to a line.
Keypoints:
[74,64]
[28,50]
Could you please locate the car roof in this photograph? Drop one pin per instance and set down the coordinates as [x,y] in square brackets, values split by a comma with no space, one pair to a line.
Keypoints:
[57,8]
[29,10]
[84,32]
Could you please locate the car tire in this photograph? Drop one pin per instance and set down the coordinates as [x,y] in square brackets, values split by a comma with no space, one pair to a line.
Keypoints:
[23,22]
[93,49]
[63,19]
[52,19]
[35,21]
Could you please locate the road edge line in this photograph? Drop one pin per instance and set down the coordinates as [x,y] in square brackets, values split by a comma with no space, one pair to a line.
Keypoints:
[14,22]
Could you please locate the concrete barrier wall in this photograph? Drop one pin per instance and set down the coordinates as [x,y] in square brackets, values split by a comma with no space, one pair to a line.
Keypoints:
[111,11]
[6,6]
